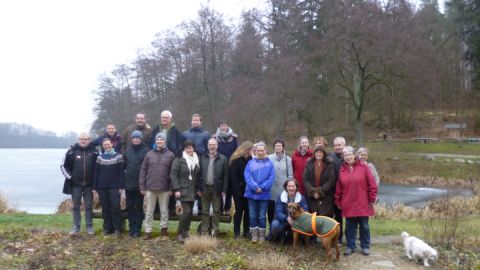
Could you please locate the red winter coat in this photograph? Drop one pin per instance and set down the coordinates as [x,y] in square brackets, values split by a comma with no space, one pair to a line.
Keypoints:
[356,191]
[298,163]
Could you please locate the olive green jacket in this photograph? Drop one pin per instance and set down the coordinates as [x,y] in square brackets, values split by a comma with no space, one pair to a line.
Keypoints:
[179,176]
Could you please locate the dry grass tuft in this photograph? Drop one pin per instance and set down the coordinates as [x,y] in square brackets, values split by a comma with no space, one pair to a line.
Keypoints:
[200,244]
[269,261]
[65,206]
[4,208]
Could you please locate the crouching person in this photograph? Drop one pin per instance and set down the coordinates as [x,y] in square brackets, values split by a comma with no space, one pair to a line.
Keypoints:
[213,186]
[281,225]
[154,183]
[184,174]
[109,183]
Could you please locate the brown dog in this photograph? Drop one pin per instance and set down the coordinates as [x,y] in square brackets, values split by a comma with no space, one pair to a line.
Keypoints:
[309,224]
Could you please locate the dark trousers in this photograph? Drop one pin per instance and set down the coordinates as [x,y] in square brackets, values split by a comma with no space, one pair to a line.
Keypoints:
[110,202]
[77,193]
[135,210]
[185,218]
[271,212]
[352,223]
[241,212]
[338,217]
[228,203]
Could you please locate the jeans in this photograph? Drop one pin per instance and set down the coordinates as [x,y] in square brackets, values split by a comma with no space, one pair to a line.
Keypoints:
[271,211]
[135,210]
[112,216]
[257,212]
[210,197]
[77,193]
[185,218]
[163,198]
[241,212]
[351,231]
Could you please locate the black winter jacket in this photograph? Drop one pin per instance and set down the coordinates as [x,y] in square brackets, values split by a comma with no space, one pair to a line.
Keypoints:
[175,139]
[134,157]
[79,165]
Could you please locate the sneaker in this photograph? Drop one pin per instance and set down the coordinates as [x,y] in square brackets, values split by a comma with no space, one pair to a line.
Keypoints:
[74,231]
[366,251]
[348,251]
[90,231]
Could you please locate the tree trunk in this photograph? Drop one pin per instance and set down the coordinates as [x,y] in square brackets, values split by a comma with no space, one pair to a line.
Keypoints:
[359,132]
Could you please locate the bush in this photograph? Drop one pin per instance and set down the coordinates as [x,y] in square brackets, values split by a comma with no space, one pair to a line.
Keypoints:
[4,205]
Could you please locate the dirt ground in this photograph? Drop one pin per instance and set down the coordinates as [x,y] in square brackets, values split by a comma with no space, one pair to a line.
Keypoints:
[33,249]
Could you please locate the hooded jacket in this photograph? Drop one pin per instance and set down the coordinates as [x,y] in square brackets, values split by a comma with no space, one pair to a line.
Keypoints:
[259,173]
[281,205]
[356,190]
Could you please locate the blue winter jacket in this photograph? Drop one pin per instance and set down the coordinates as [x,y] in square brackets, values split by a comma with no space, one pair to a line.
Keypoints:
[259,173]
[281,205]
[199,138]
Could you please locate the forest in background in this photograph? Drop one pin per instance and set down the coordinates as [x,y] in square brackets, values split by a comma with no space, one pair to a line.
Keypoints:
[307,67]
[13,135]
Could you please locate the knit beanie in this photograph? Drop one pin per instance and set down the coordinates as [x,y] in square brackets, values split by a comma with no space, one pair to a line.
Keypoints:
[160,135]
[137,134]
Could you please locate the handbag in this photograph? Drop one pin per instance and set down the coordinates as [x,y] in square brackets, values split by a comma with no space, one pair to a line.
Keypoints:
[67,187]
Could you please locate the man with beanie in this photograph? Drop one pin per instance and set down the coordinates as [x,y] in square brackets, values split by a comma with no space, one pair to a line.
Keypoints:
[134,155]
[140,125]
[154,183]
[78,167]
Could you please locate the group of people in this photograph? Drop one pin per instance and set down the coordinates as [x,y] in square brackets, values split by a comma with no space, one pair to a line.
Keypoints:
[177,169]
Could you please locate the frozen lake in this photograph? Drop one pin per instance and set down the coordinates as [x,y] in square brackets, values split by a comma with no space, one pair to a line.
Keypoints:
[31,181]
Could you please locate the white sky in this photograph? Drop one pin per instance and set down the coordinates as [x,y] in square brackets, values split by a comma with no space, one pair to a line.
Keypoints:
[52,52]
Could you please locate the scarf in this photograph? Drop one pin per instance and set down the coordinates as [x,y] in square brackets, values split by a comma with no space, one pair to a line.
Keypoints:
[110,152]
[222,137]
[192,161]
[318,168]
[302,151]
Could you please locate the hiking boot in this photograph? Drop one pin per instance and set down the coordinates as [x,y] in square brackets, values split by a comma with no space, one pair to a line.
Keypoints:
[180,238]
[348,251]
[74,231]
[261,234]
[254,232]
[366,251]
[148,236]
[164,234]
[90,231]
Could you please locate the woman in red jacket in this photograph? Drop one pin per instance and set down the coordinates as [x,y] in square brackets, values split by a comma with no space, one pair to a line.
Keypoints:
[299,160]
[355,194]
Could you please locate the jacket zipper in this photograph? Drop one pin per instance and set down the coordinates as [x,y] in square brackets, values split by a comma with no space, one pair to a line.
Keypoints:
[84,172]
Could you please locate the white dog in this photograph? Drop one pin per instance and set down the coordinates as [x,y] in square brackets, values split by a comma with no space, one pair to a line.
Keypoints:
[417,249]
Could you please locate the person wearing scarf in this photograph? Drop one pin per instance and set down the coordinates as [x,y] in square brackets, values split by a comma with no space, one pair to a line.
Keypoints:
[109,183]
[112,134]
[299,161]
[227,144]
[319,183]
[184,176]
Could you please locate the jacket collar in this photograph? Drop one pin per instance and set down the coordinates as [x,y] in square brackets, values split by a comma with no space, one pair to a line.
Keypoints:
[284,197]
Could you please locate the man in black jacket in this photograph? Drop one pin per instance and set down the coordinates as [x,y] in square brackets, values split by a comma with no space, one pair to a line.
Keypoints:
[172,135]
[78,168]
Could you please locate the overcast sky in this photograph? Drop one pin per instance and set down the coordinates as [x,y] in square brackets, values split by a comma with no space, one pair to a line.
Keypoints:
[52,52]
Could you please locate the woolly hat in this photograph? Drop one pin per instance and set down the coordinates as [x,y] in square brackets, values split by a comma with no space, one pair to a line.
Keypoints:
[137,134]
[160,135]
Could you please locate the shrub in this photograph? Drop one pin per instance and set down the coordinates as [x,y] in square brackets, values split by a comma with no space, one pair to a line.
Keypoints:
[269,261]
